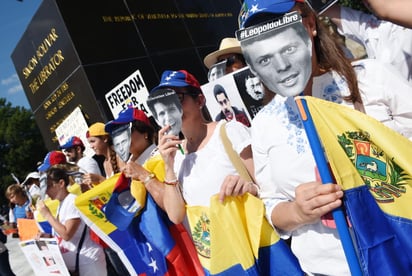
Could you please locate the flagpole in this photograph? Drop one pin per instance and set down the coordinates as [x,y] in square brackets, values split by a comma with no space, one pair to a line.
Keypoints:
[326,177]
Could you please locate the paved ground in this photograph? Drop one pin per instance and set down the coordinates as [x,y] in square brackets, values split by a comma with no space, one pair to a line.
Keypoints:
[18,261]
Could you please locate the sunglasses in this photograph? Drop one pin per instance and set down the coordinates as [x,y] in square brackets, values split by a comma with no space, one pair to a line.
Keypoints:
[229,61]
[69,150]
[181,95]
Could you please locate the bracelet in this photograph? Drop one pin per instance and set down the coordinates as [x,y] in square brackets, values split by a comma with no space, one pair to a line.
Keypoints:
[148,179]
[173,182]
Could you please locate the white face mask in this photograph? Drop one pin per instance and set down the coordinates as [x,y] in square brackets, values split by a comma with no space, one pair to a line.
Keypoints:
[281,57]
[122,138]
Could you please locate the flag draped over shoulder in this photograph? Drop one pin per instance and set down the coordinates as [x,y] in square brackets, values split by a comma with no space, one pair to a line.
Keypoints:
[373,165]
[234,238]
[150,245]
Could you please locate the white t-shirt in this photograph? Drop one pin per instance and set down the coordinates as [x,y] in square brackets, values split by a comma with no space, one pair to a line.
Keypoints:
[283,158]
[91,254]
[88,165]
[202,173]
[383,40]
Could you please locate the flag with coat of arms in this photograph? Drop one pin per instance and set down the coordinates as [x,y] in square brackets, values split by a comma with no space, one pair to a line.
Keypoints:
[373,165]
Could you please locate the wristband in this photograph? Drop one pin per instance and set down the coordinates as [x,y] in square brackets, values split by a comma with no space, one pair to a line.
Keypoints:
[148,179]
[173,182]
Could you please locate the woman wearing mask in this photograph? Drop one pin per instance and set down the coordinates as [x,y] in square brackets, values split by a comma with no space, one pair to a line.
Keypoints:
[306,60]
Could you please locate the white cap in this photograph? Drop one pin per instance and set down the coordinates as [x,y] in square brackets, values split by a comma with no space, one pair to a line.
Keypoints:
[34,175]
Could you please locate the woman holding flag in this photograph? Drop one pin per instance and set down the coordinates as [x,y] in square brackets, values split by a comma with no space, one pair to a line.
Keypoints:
[297,203]
[211,182]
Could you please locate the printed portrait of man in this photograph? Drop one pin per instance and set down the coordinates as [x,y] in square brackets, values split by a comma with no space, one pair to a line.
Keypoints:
[281,58]
[254,87]
[166,109]
[216,71]
[122,137]
[228,112]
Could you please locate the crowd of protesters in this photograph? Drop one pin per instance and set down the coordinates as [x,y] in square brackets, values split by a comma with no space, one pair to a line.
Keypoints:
[304,60]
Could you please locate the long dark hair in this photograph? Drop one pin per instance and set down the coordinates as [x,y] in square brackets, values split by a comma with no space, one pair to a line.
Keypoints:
[330,54]
[57,173]
[144,128]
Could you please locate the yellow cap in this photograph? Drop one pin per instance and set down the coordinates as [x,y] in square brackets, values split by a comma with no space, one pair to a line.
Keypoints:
[96,129]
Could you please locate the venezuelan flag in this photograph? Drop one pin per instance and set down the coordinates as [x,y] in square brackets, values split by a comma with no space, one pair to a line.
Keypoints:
[373,165]
[42,223]
[150,245]
[234,238]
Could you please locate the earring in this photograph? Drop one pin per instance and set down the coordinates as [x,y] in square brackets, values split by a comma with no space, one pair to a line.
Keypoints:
[314,32]
[146,137]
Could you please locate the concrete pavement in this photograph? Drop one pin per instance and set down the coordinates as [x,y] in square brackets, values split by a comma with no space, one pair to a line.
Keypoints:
[18,261]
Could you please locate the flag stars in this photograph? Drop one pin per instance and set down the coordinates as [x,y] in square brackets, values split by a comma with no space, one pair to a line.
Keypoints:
[153,265]
[149,247]
[254,8]
[168,78]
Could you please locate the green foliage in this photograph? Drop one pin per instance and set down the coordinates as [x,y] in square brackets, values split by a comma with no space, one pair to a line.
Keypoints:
[21,144]
[354,4]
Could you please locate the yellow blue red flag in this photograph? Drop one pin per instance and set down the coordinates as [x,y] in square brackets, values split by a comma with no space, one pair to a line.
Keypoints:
[373,165]
[148,244]
[234,238]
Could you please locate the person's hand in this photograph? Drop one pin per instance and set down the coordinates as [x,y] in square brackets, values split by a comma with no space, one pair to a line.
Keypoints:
[134,170]
[233,185]
[91,178]
[314,199]
[43,209]
[168,145]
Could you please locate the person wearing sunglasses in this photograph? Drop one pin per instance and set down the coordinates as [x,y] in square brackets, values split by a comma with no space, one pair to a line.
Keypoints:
[227,59]
[74,151]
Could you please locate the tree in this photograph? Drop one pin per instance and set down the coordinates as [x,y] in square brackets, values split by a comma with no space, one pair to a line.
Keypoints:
[354,4]
[21,144]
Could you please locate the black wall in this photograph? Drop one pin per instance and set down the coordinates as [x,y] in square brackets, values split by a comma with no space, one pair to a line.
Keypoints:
[74,52]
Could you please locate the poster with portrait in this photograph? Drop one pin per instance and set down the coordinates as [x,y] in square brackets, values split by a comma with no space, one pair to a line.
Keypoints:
[250,89]
[166,109]
[216,71]
[231,97]
[44,256]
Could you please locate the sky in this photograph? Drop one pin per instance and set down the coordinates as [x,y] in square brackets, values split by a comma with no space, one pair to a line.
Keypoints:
[15,16]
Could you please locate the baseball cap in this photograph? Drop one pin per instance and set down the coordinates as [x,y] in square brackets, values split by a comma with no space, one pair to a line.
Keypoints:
[126,116]
[179,78]
[32,175]
[52,158]
[72,142]
[96,129]
[252,8]
[228,45]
